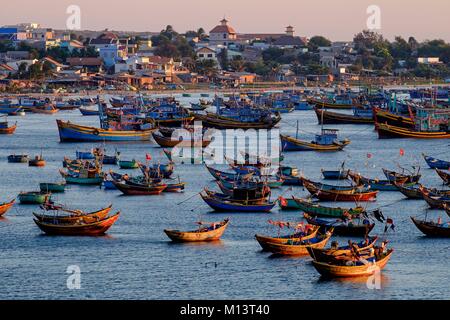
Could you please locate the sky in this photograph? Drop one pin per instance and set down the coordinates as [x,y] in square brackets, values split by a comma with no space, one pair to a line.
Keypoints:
[337,20]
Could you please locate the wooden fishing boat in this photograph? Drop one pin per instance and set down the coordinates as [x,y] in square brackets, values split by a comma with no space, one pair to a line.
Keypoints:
[445,176]
[168,142]
[432,229]
[300,248]
[411,192]
[327,255]
[175,187]
[330,105]
[346,196]
[69,132]
[4,207]
[401,177]
[315,209]
[335,174]
[212,232]
[218,175]
[355,269]
[434,163]
[293,144]
[5,128]
[435,202]
[46,109]
[342,227]
[72,216]
[288,204]
[38,161]
[78,229]
[225,204]
[34,197]
[53,187]
[22,158]
[380,185]
[73,178]
[214,121]
[139,190]
[389,118]
[329,187]
[89,111]
[386,131]
[296,237]
[133,164]
[329,117]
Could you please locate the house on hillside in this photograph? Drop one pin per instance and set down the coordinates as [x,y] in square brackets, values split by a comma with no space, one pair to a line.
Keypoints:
[206,53]
[222,34]
[289,40]
[92,65]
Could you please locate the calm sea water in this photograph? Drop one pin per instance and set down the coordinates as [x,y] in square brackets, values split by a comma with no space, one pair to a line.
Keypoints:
[137,261]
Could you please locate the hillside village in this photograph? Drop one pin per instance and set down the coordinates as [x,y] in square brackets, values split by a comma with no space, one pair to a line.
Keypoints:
[33,57]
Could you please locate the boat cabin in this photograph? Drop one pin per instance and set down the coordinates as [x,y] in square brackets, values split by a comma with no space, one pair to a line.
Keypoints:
[328,136]
[433,119]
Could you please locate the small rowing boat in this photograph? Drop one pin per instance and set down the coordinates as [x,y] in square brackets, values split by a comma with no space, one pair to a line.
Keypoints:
[432,229]
[205,232]
[4,207]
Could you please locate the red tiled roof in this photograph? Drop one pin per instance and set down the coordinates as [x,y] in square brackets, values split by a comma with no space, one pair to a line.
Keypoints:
[223,29]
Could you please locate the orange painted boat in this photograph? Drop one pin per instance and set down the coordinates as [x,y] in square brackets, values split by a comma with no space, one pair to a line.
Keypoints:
[38,161]
[8,130]
[74,216]
[323,255]
[296,237]
[6,206]
[345,271]
[78,229]
[211,233]
[292,248]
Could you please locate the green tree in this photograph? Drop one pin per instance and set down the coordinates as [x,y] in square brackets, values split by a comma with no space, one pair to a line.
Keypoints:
[223,59]
[318,41]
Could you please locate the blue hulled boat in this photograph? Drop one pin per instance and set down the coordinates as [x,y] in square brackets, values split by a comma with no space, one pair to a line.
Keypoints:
[434,163]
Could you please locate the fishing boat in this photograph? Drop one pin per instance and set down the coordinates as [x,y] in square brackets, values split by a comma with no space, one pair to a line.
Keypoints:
[85,155]
[198,107]
[69,132]
[175,187]
[243,122]
[434,163]
[359,116]
[169,142]
[287,204]
[432,229]
[205,232]
[70,215]
[78,229]
[89,111]
[218,175]
[38,161]
[315,209]
[335,174]
[308,232]
[356,194]
[444,175]
[329,187]
[326,141]
[298,248]
[398,177]
[342,227]
[386,131]
[45,109]
[5,128]
[4,207]
[290,176]
[223,203]
[34,197]
[133,164]
[335,252]
[386,117]
[351,268]
[435,201]
[6,107]
[140,190]
[53,187]
[321,103]
[83,178]
[379,185]
[22,158]
[411,192]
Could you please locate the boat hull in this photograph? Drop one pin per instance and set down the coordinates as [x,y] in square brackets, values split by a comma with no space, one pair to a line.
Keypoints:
[4,208]
[386,131]
[195,236]
[69,132]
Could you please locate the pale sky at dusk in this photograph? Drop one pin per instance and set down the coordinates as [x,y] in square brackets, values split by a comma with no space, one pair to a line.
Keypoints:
[338,20]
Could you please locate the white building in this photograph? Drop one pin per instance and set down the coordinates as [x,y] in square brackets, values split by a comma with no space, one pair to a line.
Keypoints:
[222,34]
[206,53]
